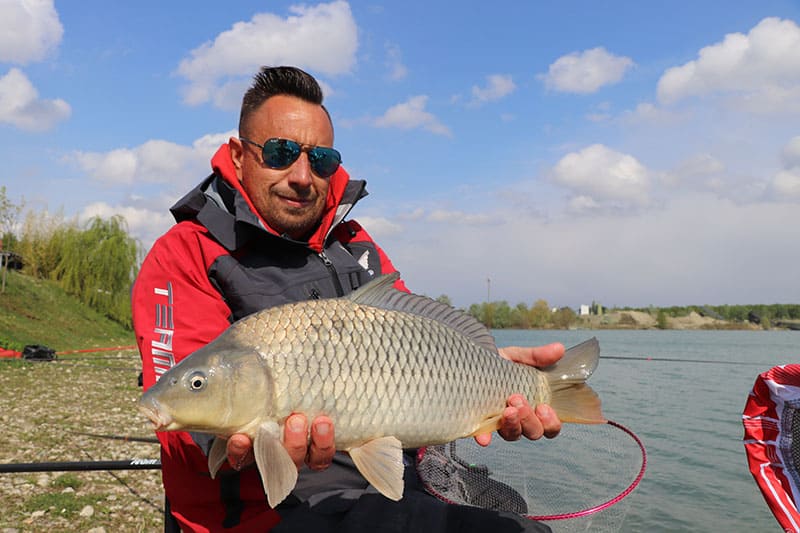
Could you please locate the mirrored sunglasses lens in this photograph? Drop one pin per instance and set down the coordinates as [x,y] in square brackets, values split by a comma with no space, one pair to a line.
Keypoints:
[324,161]
[280,153]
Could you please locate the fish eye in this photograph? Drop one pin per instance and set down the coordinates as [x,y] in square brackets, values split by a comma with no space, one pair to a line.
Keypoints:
[197,381]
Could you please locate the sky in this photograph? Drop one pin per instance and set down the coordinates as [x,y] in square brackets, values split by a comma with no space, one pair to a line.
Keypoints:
[625,152]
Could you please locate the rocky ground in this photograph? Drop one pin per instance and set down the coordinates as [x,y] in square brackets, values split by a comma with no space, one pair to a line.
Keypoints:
[43,407]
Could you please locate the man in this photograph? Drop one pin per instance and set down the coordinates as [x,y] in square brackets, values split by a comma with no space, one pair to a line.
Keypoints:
[267,228]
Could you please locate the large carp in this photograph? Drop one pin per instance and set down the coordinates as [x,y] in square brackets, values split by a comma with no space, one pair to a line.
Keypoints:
[391,369]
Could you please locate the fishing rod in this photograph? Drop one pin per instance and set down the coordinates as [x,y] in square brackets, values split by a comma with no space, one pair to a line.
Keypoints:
[125,438]
[98,357]
[81,466]
[679,360]
[94,350]
[105,367]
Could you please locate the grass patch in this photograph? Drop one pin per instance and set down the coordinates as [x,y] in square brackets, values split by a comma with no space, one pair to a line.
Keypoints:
[65,504]
[67,480]
[35,311]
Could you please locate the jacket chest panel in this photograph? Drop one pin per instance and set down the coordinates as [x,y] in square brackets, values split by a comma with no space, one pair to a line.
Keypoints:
[276,274]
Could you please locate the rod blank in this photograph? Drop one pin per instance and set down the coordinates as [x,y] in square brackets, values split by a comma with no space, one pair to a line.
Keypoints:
[81,466]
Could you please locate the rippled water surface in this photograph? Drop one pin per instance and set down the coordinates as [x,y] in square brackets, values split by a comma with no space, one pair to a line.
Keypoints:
[688,413]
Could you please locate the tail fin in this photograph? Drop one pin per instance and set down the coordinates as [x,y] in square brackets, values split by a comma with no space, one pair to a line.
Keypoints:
[571,398]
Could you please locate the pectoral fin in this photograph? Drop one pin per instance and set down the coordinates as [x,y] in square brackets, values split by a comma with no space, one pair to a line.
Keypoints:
[217,455]
[489,425]
[278,471]
[380,461]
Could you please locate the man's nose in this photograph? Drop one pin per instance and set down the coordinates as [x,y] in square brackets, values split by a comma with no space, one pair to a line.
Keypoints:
[300,171]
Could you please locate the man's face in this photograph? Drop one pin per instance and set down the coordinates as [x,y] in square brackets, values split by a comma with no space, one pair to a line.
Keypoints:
[290,200]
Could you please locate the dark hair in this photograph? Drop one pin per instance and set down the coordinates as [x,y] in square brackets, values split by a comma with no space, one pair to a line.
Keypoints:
[272,81]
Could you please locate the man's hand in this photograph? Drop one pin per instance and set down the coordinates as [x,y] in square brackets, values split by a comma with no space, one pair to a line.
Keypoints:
[519,418]
[317,455]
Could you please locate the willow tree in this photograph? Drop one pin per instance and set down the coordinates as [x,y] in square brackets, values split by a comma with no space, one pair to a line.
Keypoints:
[98,264]
[40,242]
[9,215]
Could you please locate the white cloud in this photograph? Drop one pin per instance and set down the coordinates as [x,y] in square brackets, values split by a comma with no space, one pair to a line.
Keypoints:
[603,177]
[648,113]
[29,30]
[667,256]
[586,72]
[497,87]
[459,217]
[21,106]
[791,153]
[379,227]
[583,204]
[144,224]
[762,68]
[321,38]
[411,115]
[394,61]
[786,183]
[155,161]
[698,166]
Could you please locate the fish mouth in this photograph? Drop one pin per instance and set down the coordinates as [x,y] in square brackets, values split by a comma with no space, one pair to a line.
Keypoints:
[160,419]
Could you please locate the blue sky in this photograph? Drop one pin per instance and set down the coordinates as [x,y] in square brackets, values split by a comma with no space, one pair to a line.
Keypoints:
[631,153]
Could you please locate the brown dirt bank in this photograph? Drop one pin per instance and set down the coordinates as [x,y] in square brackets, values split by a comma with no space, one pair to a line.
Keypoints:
[642,320]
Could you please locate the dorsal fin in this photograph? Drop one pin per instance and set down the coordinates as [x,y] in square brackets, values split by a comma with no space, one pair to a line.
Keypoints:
[381,293]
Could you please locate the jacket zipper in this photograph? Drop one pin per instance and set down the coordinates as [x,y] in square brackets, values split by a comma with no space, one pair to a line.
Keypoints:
[334,275]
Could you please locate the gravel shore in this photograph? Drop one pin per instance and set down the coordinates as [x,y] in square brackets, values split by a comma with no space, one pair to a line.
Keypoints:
[44,407]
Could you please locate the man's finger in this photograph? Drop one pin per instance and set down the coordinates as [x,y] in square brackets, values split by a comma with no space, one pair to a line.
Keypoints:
[539,356]
[239,451]
[484,439]
[532,427]
[510,427]
[323,447]
[549,419]
[295,438]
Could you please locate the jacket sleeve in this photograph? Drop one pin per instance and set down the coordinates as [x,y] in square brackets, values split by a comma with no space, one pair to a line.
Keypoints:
[177,310]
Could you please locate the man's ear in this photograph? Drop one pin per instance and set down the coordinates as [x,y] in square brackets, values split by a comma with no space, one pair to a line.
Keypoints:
[237,153]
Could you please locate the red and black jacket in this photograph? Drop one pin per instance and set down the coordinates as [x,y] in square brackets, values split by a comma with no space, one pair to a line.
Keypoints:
[219,263]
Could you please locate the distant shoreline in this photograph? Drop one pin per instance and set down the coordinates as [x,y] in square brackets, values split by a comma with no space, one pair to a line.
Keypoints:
[692,321]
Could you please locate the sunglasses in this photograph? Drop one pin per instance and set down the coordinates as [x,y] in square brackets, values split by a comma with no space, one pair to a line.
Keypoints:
[280,153]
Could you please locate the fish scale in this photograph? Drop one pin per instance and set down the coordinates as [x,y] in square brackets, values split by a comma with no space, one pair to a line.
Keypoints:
[382,363]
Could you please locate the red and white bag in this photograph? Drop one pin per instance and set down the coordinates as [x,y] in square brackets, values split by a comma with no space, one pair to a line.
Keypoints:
[772,441]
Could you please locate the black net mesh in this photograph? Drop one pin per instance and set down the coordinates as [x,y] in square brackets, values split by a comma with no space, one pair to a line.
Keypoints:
[569,482]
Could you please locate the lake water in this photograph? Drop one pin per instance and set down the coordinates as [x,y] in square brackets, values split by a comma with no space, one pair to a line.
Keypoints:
[688,414]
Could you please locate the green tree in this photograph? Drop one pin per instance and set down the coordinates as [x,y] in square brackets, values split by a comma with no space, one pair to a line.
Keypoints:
[476,312]
[502,315]
[9,218]
[41,241]
[540,314]
[444,299]
[661,319]
[97,261]
[98,264]
[521,316]
[564,318]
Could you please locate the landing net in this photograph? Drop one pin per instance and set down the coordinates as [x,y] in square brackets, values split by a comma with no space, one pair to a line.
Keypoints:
[574,482]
